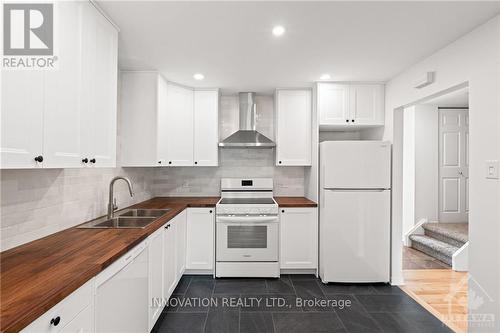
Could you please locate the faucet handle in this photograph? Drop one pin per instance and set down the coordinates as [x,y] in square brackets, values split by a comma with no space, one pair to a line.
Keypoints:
[115,206]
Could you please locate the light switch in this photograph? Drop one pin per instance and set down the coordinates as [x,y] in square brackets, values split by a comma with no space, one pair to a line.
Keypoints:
[492,169]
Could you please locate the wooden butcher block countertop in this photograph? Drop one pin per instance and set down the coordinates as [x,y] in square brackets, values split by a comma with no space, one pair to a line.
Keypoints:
[36,276]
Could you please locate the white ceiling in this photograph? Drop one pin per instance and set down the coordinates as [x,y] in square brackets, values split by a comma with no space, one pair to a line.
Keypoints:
[232,45]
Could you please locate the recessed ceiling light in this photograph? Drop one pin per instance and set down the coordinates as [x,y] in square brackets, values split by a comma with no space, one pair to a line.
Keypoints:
[278,30]
[198,76]
[325,77]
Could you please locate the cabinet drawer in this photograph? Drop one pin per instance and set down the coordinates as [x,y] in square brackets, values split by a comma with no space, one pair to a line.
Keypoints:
[66,311]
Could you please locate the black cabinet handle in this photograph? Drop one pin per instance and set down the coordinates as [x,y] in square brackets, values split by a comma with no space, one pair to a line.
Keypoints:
[347,120]
[210,211]
[39,158]
[159,162]
[92,160]
[352,120]
[279,162]
[167,226]
[85,160]
[169,162]
[55,321]
[282,210]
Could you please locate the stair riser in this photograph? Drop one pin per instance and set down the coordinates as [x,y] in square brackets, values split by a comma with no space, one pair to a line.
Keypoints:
[427,250]
[443,238]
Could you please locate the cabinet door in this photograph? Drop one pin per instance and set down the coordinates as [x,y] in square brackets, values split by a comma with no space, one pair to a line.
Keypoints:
[179,126]
[82,323]
[333,104]
[206,127]
[61,135]
[367,104]
[200,239]
[298,238]
[99,73]
[156,263]
[21,118]
[180,247]
[293,127]
[169,267]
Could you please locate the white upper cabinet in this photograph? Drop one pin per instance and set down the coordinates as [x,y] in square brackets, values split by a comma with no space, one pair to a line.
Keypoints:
[99,93]
[293,127]
[179,125]
[350,105]
[65,117]
[143,119]
[333,103]
[22,119]
[206,127]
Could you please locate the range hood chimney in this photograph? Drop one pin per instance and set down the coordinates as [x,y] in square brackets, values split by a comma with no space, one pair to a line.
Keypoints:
[247,136]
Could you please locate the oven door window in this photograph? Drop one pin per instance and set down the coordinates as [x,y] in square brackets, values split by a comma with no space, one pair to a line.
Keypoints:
[247,237]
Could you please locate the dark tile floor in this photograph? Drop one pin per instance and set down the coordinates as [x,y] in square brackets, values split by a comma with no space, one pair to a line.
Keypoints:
[292,303]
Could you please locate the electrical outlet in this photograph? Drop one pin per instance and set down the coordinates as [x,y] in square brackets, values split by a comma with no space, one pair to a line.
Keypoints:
[492,169]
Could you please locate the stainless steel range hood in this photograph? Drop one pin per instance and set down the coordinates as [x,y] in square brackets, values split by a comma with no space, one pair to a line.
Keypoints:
[247,136]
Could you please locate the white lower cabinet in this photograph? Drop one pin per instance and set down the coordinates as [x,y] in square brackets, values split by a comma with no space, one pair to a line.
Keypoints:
[155,276]
[69,315]
[200,240]
[299,238]
[169,267]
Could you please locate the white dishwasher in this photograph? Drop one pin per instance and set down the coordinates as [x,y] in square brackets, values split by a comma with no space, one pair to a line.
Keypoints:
[121,294]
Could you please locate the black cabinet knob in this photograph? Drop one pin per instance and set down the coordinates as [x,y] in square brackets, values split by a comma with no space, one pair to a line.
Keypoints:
[85,160]
[210,211]
[55,321]
[92,160]
[282,210]
[195,162]
[279,162]
[39,158]
[352,120]
[347,120]
[169,162]
[159,162]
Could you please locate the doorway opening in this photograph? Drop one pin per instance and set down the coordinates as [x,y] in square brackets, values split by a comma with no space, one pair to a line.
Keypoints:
[435,208]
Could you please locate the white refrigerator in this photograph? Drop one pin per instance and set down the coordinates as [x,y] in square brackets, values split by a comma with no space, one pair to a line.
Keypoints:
[355,211]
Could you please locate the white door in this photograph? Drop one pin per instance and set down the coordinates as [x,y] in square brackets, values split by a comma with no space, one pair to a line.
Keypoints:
[156,263]
[180,245]
[366,104]
[99,93]
[355,236]
[453,165]
[293,128]
[169,260]
[206,127]
[333,104]
[61,139]
[200,239]
[355,164]
[21,119]
[179,126]
[298,238]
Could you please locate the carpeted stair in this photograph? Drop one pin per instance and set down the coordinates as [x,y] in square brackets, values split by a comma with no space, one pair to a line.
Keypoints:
[441,240]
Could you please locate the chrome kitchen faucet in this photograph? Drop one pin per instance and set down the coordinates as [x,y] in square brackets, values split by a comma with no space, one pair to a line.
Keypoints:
[112,201]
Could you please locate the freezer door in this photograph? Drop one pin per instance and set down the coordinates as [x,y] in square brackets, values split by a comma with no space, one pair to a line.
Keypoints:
[355,164]
[355,236]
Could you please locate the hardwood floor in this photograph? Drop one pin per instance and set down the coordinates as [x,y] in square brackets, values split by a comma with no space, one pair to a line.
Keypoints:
[443,292]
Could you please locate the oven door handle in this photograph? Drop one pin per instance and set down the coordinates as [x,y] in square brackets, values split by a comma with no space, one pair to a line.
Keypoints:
[247,219]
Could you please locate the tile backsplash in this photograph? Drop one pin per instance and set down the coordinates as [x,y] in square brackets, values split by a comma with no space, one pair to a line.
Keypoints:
[37,203]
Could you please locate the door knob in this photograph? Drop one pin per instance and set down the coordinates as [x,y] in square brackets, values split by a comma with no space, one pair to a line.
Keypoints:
[85,160]
[39,158]
[92,160]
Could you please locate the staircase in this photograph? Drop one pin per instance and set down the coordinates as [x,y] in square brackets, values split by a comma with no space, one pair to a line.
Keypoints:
[441,240]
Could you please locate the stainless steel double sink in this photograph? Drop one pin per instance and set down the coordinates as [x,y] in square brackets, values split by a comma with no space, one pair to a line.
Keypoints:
[127,218]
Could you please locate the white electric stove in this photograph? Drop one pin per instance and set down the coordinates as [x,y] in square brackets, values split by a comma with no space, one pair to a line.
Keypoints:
[247,229]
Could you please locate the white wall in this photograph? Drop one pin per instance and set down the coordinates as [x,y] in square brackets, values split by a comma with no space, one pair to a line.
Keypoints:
[474,58]
[408,169]
[426,162]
